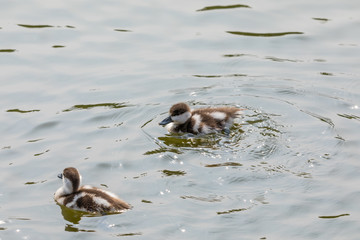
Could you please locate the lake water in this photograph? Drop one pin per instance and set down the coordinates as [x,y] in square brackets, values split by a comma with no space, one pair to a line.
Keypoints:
[85,83]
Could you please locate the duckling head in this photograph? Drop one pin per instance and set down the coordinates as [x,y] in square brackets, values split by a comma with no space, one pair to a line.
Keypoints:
[179,113]
[71,180]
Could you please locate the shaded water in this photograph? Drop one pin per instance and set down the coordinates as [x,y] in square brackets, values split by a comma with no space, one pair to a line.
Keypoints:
[85,84]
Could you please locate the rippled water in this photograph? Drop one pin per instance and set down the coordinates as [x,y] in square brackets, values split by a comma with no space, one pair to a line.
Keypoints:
[85,84]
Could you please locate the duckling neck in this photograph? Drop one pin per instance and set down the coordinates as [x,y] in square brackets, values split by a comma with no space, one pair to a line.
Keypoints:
[60,192]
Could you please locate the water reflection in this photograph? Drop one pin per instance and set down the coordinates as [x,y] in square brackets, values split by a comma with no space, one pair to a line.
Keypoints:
[219,7]
[122,30]
[22,111]
[252,34]
[349,116]
[232,211]
[71,228]
[7,50]
[177,143]
[168,173]
[58,46]
[73,216]
[35,26]
[322,19]
[128,234]
[335,216]
[226,164]
[219,76]
[103,105]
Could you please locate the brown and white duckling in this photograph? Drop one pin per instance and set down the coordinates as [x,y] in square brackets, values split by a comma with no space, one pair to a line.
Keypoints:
[205,120]
[86,198]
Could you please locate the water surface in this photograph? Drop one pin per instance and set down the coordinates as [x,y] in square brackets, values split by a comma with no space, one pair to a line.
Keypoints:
[85,84]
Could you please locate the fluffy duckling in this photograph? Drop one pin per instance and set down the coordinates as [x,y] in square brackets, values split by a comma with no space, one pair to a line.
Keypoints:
[86,198]
[205,120]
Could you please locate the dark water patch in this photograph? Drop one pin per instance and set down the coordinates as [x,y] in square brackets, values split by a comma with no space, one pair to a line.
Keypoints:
[220,7]
[276,59]
[335,216]
[20,218]
[163,150]
[97,105]
[209,141]
[232,211]
[32,183]
[122,30]
[319,60]
[173,173]
[350,116]
[220,76]
[129,234]
[71,228]
[69,26]
[204,199]
[321,19]
[141,175]
[252,34]
[35,26]
[326,74]
[227,164]
[35,140]
[22,111]
[39,154]
[7,50]
[58,46]
[113,126]
[208,76]
[269,131]
[237,55]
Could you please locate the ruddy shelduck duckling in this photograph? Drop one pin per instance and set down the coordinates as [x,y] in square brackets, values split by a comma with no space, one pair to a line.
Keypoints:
[86,198]
[205,120]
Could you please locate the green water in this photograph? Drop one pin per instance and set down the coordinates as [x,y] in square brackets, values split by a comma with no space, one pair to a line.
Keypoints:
[84,84]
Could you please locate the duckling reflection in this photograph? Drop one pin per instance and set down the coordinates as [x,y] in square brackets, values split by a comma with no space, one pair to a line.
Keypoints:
[71,215]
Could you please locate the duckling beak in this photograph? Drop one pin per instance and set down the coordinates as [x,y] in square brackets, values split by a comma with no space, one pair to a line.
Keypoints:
[60,176]
[166,121]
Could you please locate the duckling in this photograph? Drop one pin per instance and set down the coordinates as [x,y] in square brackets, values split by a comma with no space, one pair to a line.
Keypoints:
[200,121]
[86,198]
